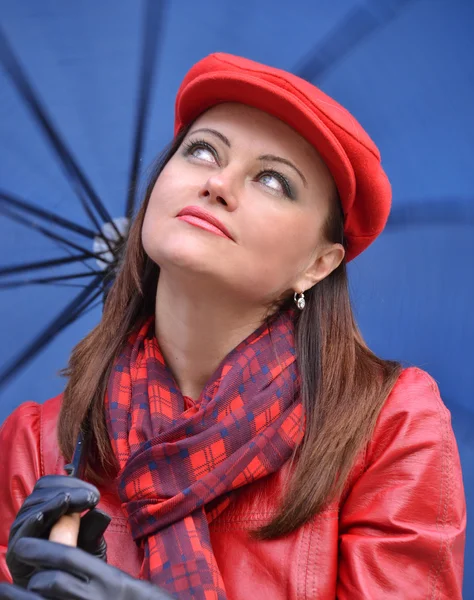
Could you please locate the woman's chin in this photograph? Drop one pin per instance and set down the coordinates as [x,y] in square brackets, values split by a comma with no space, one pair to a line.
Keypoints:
[186,256]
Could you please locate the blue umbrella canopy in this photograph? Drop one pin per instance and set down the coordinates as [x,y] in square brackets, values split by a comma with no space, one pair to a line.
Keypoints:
[86,96]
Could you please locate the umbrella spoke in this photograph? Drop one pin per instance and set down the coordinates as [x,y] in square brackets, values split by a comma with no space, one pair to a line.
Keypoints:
[69,314]
[76,176]
[87,306]
[358,24]
[42,264]
[43,280]
[153,29]
[50,234]
[452,211]
[88,309]
[84,261]
[29,208]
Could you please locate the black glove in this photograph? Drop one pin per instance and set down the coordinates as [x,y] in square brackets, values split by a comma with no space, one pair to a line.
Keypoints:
[70,573]
[52,497]
[13,592]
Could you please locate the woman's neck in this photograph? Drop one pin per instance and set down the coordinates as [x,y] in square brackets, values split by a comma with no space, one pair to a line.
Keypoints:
[197,327]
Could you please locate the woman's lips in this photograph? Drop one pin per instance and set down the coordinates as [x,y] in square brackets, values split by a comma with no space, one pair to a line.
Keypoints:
[202,224]
[195,215]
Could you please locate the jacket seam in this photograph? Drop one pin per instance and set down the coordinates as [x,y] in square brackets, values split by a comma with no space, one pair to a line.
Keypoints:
[118,527]
[442,516]
[41,438]
[300,588]
[249,517]
[313,560]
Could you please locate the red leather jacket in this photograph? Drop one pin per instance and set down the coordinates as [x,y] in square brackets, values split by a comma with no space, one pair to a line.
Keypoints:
[397,532]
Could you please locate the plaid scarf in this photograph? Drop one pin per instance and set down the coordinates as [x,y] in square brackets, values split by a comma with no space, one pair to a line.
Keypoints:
[180,461]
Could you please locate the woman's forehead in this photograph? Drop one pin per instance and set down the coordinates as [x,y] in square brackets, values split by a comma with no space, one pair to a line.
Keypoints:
[257,131]
[236,116]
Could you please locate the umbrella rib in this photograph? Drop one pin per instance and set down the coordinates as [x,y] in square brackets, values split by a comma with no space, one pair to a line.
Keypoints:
[91,306]
[47,215]
[68,285]
[75,173]
[84,262]
[85,306]
[43,280]
[153,26]
[42,264]
[50,234]
[66,317]
[453,211]
[357,25]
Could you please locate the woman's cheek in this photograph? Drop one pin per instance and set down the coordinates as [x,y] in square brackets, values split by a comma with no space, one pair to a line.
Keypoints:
[279,237]
[269,259]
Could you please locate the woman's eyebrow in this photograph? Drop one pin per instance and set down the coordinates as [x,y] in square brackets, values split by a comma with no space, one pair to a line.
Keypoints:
[285,161]
[218,134]
[268,157]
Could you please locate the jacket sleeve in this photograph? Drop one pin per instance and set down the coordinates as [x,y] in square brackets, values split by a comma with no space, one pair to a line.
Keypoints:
[402,524]
[20,468]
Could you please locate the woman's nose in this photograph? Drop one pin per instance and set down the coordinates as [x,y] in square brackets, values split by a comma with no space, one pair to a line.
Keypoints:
[219,188]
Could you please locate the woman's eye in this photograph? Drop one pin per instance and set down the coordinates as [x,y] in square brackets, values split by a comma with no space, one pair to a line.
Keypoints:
[203,154]
[270,181]
[201,151]
[276,182]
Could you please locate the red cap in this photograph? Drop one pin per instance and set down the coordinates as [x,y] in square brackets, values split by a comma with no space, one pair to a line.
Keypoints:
[351,156]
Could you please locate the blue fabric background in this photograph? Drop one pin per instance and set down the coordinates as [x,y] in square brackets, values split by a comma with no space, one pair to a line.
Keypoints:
[409,80]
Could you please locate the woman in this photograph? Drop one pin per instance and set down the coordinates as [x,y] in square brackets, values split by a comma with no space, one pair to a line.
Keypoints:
[245,442]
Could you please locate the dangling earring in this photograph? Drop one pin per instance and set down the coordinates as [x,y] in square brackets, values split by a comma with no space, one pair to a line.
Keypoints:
[299,300]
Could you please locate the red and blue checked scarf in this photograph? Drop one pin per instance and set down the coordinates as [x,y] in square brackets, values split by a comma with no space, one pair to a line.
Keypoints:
[181,460]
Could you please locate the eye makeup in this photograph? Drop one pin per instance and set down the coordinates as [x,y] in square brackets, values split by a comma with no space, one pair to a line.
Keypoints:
[287,187]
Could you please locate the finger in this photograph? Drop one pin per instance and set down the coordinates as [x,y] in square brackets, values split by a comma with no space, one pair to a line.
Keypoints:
[93,526]
[66,530]
[41,521]
[13,592]
[81,499]
[44,554]
[58,585]
[68,500]
[52,510]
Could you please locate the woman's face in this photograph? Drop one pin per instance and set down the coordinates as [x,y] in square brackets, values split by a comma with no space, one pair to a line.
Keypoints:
[265,184]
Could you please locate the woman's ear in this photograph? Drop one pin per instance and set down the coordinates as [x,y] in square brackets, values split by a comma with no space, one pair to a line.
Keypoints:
[328,258]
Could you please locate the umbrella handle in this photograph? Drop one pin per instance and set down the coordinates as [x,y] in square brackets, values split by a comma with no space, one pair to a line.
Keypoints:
[66,530]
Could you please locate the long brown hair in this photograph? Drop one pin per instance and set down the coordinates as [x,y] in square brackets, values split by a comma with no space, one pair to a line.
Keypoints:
[343,384]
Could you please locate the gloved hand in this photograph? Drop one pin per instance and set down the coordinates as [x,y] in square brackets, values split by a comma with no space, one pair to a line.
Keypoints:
[52,497]
[13,592]
[74,574]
